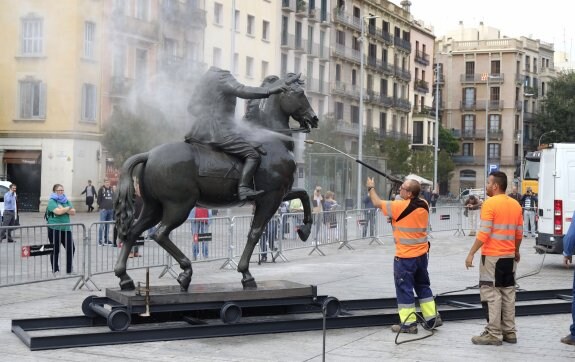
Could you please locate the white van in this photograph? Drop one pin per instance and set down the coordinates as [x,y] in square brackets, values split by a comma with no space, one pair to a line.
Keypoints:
[556,196]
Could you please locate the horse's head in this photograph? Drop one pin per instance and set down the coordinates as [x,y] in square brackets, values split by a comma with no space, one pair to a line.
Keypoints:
[294,102]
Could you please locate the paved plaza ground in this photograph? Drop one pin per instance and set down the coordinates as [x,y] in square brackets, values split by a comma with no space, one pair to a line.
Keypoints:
[365,272]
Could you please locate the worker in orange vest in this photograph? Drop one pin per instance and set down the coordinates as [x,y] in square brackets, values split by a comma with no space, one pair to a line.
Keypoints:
[409,219]
[499,237]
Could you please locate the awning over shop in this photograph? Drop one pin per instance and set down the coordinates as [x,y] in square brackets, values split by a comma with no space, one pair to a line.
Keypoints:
[23,157]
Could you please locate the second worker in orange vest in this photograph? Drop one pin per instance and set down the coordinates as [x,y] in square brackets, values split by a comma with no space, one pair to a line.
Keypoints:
[409,219]
[499,237]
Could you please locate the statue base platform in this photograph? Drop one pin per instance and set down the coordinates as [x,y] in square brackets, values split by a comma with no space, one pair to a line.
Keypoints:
[212,293]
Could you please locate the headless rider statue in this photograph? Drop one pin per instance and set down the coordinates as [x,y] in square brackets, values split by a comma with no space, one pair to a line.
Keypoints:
[213,105]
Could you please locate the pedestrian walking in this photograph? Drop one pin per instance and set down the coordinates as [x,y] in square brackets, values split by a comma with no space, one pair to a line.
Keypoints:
[499,237]
[529,205]
[90,192]
[317,211]
[10,213]
[409,219]
[106,207]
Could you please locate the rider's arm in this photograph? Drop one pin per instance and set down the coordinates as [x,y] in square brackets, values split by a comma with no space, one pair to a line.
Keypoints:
[242,91]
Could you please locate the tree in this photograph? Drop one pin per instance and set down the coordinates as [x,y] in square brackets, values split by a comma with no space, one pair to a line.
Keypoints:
[445,166]
[421,162]
[558,111]
[130,132]
[447,142]
[398,154]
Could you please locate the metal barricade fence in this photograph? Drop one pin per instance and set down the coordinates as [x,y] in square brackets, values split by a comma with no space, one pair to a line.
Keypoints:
[101,258]
[28,259]
[32,257]
[202,240]
[446,218]
[331,229]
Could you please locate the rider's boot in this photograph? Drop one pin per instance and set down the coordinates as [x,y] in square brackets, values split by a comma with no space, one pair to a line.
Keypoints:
[245,191]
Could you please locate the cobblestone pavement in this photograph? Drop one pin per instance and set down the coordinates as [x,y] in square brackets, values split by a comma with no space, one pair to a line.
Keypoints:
[365,272]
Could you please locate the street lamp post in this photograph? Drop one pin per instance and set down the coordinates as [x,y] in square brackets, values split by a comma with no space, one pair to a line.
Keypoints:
[487,100]
[360,136]
[545,133]
[436,138]
[521,140]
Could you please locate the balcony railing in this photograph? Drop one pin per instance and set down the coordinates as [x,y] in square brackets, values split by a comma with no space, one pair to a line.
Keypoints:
[528,116]
[347,128]
[494,105]
[402,44]
[347,53]
[480,160]
[289,5]
[142,28]
[402,73]
[532,91]
[423,111]
[421,86]
[316,86]
[394,135]
[345,19]
[494,78]
[421,57]
[402,104]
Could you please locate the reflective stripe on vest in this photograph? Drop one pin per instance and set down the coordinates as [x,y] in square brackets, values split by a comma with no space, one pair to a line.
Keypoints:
[501,224]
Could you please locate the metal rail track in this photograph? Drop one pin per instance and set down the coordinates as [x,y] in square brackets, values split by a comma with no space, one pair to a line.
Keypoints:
[92,331]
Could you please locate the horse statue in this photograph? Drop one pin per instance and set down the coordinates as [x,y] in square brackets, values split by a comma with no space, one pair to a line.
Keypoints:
[172,178]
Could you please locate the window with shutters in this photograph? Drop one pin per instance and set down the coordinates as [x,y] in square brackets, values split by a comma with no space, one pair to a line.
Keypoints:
[32,99]
[32,41]
[89,39]
[89,102]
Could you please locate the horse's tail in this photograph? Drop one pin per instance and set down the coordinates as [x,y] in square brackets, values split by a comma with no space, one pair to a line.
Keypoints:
[124,204]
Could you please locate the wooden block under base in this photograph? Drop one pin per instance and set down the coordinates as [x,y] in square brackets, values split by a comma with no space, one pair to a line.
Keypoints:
[215,292]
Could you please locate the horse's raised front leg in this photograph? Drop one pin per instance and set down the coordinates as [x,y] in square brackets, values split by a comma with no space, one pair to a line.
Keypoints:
[162,237]
[304,230]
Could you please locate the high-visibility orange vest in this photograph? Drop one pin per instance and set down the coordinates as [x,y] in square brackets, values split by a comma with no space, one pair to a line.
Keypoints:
[501,224]
[410,231]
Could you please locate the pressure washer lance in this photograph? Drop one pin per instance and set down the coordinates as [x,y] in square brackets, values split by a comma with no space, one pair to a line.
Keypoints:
[147,291]
[389,177]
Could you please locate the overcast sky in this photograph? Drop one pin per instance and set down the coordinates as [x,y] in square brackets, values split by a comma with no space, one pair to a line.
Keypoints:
[551,21]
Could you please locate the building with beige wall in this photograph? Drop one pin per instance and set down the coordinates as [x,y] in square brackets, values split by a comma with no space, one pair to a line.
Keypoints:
[422,68]
[304,40]
[388,54]
[50,84]
[492,86]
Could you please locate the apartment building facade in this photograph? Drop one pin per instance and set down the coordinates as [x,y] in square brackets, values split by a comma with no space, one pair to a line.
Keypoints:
[304,48]
[422,69]
[50,83]
[154,52]
[491,87]
[387,97]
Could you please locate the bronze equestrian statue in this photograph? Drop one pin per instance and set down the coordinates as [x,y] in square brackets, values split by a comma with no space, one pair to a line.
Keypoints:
[173,178]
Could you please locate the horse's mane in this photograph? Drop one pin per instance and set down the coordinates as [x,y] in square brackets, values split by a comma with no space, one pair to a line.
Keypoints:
[253,105]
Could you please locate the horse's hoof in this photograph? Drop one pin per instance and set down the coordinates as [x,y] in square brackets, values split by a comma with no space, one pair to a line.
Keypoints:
[127,285]
[304,231]
[249,283]
[184,281]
